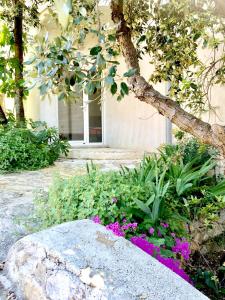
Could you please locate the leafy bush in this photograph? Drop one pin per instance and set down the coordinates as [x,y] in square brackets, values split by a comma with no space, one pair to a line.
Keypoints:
[104,194]
[152,204]
[190,149]
[157,190]
[29,146]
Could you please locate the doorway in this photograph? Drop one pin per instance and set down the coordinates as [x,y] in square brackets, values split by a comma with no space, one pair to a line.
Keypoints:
[80,121]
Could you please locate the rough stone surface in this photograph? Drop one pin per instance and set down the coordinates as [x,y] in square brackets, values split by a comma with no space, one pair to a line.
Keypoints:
[17,192]
[83,260]
[202,235]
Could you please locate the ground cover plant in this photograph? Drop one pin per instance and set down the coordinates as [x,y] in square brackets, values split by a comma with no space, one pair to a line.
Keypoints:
[152,205]
[29,146]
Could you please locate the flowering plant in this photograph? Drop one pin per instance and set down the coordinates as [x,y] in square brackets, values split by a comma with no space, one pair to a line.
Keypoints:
[153,246]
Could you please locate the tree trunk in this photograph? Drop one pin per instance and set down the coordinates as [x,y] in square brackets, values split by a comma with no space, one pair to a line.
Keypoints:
[3,119]
[18,36]
[209,134]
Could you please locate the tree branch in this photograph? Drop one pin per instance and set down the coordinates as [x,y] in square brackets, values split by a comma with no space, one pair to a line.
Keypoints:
[210,134]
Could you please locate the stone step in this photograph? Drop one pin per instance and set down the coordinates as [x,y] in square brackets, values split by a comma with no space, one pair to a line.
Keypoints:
[105,154]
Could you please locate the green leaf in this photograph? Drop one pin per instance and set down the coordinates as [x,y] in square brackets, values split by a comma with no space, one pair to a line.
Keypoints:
[141,39]
[101,63]
[72,80]
[43,89]
[124,88]
[109,80]
[113,88]
[156,242]
[150,200]
[30,61]
[112,37]
[166,253]
[129,73]
[112,71]
[89,88]
[143,207]
[61,96]
[95,50]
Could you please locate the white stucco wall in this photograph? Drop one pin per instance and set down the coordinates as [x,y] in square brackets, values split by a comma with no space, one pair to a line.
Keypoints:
[131,123]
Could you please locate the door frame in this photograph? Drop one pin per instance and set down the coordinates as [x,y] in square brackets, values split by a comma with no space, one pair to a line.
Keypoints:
[85,141]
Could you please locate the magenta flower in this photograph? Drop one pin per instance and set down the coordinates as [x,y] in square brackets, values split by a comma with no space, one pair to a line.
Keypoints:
[114,200]
[165,225]
[151,230]
[116,229]
[175,266]
[182,247]
[96,219]
[153,250]
[129,226]
[149,248]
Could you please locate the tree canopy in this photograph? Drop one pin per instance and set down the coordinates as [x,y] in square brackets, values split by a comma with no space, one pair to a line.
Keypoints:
[170,32]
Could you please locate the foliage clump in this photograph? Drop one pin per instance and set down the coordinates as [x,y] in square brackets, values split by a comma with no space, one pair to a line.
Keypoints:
[160,188]
[152,205]
[29,146]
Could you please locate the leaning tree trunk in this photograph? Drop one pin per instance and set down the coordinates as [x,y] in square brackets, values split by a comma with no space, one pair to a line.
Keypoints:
[209,134]
[3,119]
[18,36]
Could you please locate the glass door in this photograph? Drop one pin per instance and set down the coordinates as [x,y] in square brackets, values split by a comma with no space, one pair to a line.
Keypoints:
[81,122]
[95,118]
[71,120]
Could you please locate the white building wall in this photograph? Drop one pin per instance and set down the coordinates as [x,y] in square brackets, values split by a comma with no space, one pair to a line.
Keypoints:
[131,123]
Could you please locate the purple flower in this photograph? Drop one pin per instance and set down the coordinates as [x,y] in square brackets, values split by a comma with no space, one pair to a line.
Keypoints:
[165,225]
[149,248]
[151,230]
[124,220]
[114,199]
[116,229]
[153,250]
[159,233]
[129,225]
[143,236]
[96,219]
[173,234]
[182,247]
[175,266]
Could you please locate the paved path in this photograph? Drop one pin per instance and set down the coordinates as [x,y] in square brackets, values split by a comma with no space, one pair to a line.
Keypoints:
[17,192]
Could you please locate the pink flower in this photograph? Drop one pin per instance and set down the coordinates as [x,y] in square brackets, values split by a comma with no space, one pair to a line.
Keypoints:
[182,247]
[173,234]
[153,250]
[96,219]
[151,230]
[114,199]
[116,229]
[165,225]
[129,225]
[149,248]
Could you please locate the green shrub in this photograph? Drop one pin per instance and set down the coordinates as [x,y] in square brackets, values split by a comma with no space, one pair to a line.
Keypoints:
[29,146]
[159,189]
[106,194]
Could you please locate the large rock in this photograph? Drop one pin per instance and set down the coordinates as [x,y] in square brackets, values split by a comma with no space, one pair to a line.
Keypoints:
[83,260]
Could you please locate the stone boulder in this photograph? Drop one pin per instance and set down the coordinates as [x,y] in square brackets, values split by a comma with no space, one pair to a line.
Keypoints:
[83,260]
